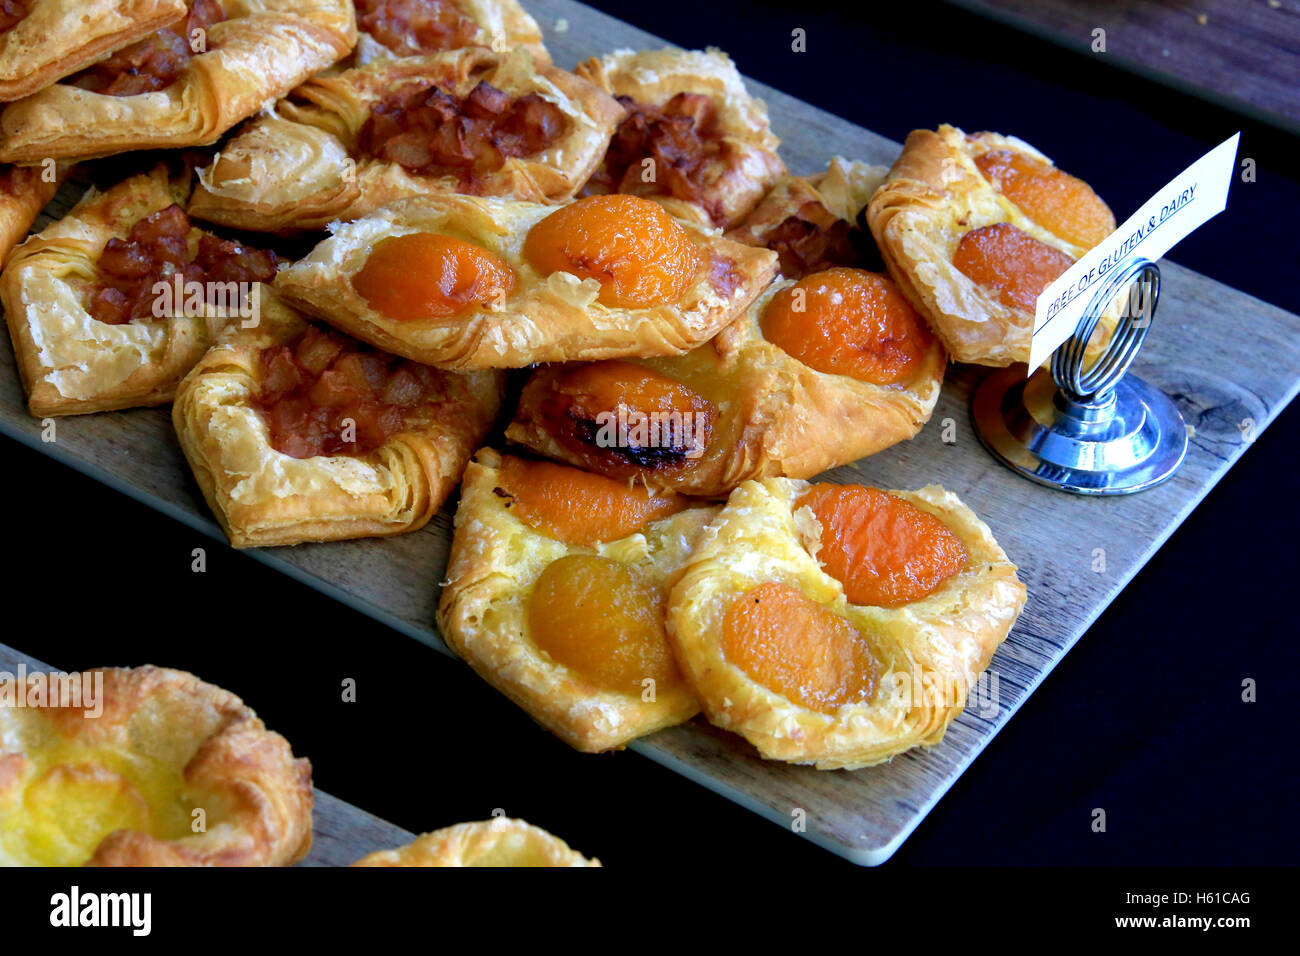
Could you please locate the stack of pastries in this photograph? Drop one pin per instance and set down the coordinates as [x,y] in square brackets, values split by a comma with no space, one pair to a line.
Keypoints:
[373,209]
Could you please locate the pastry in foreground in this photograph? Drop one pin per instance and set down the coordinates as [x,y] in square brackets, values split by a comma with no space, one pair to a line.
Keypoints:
[42,41]
[467,121]
[555,596]
[297,434]
[839,625]
[692,136]
[184,85]
[818,222]
[399,28]
[496,842]
[974,228]
[145,766]
[475,282]
[816,373]
[111,305]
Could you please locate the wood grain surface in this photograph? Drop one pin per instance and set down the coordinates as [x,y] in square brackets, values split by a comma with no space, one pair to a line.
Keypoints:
[341,833]
[1243,54]
[1229,360]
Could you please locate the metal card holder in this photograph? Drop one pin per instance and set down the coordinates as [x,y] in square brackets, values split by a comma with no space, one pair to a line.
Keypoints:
[1089,430]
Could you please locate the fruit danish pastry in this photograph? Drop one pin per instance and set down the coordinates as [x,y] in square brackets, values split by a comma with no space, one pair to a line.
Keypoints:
[467,121]
[817,222]
[297,434]
[974,228]
[119,767]
[555,596]
[692,136]
[399,28]
[42,41]
[24,192]
[839,625]
[472,282]
[817,373]
[184,85]
[496,842]
[111,305]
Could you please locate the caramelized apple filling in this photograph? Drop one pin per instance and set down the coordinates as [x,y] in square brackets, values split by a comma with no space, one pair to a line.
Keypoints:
[638,253]
[1055,200]
[327,394]
[683,137]
[813,239]
[603,620]
[848,322]
[427,276]
[620,417]
[158,248]
[413,27]
[885,551]
[576,506]
[1011,261]
[431,133]
[794,646]
[155,62]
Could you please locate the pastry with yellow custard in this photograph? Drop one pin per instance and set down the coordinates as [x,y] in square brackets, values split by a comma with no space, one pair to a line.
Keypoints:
[496,842]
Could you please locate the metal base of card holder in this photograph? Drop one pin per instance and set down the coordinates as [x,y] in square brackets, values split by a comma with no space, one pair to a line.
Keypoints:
[1090,431]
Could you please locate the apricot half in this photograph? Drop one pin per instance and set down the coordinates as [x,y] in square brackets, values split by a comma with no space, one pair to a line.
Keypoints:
[1057,201]
[638,253]
[848,322]
[427,276]
[1011,261]
[790,644]
[601,619]
[885,551]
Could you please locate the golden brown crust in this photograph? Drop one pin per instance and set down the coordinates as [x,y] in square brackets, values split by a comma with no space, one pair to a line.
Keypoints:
[496,842]
[299,167]
[59,37]
[24,192]
[777,415]
[262,497]
[71,364]
[263,50]
[930,652]
[934,195]
[502,25]
[751,163]
[482,614]
[545,319]
[173,745]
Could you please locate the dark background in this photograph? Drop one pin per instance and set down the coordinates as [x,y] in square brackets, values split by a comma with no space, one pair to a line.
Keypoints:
[1143,718]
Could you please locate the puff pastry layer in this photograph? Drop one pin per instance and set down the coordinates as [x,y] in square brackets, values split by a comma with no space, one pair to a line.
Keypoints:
[116,781]
[262,496]
[398,28]
[935,195]
[729,180]
[496,560]
[544,319]
[775,415]
[300,167]
[24,192]
[929,652]
[70,363]
[260,52]
[816,222]
[496,842]
[58,37]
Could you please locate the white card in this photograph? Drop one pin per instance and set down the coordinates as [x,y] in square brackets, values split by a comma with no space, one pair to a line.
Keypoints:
[1199,193]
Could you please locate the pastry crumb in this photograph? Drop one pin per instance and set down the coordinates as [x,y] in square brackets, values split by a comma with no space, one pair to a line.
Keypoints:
[561,25]
[1202,18]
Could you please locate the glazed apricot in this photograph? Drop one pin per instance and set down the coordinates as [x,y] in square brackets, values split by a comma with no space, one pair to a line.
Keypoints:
[848,322]
[426,276]
[578,507]
[599,618]
[1010,260]
[640,255]
[1057,201]
[885,551]
[790,644]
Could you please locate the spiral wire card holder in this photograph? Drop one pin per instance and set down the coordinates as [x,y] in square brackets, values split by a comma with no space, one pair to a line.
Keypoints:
[1088,430]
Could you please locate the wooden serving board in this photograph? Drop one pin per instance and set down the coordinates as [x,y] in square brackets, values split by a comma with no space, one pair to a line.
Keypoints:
[341,833]
[1229,360]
